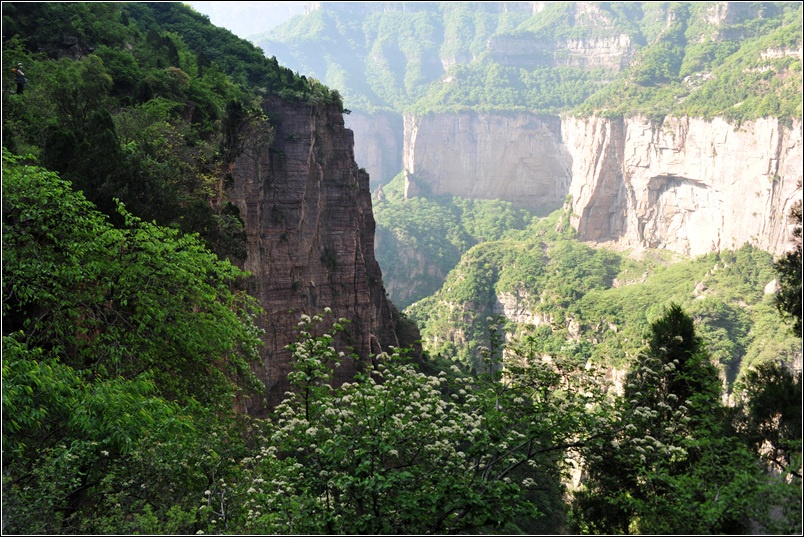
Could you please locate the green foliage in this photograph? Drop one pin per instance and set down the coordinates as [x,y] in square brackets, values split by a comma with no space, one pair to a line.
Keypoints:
[553,282]
[490,86]
[121,301]
[545,272]
[125,347]
[674,464]
[397,451]
[448,57]
[138,116]
[740,72]
[433,232]
[772,414]
[123,351]
[788,268]
[91,455]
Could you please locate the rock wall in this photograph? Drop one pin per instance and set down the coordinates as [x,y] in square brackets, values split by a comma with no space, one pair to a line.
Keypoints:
[613,52]
[516,157]
[310,239]
[683,184]
[378,143]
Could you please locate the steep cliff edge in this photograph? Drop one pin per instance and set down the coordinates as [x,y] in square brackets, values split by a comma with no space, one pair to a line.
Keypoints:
[683,184]
[378,143]
[310,239]
[510,157]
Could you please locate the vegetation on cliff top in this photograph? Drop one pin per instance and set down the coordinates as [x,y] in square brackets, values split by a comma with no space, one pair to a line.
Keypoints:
[127,344]
[700,59]
[147,103]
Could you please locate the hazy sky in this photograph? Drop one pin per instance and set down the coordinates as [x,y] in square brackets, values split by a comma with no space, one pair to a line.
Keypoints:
[245,19]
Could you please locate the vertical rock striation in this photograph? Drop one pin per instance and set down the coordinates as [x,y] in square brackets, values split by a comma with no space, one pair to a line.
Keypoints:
[512,157]
[683,184]
[310,239]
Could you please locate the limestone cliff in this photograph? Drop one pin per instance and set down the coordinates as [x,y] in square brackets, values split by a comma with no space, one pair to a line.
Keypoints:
[683,184]
[310,238]
[611,52]
[378,143]
[516,157]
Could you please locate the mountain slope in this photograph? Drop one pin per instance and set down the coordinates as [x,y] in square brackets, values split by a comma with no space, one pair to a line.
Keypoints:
[193,128]
[594,304]
[731,59]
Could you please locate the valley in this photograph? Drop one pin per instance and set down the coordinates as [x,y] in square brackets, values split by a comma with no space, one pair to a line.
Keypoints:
[611,119]
[402,268]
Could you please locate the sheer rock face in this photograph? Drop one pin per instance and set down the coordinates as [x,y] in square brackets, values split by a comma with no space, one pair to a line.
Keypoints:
[378,143]
[516,157]
[310,239]
[613,52]
[684,184]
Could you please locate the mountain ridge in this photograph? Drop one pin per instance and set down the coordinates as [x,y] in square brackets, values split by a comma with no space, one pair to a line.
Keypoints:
[659,73]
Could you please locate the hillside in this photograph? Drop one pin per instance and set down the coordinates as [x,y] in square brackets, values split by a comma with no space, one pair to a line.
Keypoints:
[197,337]
[595,304]
[705,59]
[136,94]
[454,263]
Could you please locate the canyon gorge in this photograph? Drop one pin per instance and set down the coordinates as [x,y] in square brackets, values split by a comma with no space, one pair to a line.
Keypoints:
[683,184]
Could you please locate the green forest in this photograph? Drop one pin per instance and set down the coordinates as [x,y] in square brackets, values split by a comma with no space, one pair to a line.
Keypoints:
[130,338]
[439,57]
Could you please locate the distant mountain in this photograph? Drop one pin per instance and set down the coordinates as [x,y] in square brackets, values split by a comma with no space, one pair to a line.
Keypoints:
[732,59]
[631,108]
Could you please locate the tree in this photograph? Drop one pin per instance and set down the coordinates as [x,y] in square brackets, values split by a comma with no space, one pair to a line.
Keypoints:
[674,465]
[772,415]
[124,351]
[788,268]
[399,451]
[120,302]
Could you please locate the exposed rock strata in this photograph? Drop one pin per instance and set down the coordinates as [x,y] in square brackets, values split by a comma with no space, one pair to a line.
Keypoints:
[609,48]
[523,50]
[310,239]
[684,184]
[516,307]
[516,157]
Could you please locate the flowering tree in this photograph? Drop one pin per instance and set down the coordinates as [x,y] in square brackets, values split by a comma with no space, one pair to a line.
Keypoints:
[398,451]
